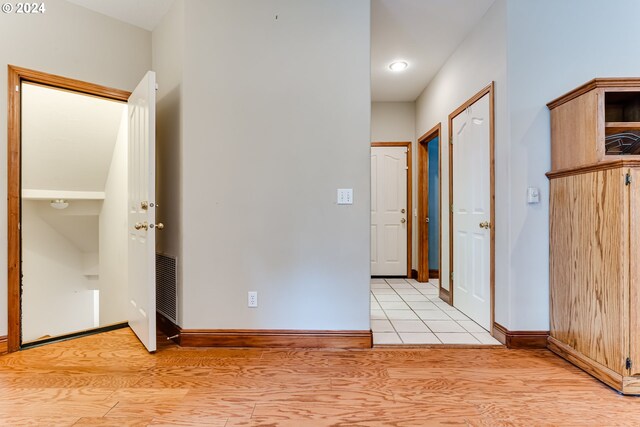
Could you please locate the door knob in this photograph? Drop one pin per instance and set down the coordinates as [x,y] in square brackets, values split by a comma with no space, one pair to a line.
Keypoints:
[485,225]
[159,226]
[403,220]
[402,210]
[141,225]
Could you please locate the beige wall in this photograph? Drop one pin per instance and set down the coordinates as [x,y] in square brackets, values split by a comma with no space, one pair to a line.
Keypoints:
[551,51]
[273,124]
[396,121]
[114,235]
[480,59]
[70,41]
[168,57]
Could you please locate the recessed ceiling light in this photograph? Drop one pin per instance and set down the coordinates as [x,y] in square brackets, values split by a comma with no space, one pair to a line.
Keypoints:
[398,66]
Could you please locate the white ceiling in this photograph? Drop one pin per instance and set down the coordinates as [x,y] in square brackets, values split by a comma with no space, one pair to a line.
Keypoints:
[422,32]
[79,223]
[141,13]
[67,139]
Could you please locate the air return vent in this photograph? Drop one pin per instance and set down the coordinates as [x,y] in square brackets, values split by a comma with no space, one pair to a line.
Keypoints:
[166,286]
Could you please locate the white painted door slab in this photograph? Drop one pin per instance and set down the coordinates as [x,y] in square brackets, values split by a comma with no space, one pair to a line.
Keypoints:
[388,211]
[141,207]
[472,212]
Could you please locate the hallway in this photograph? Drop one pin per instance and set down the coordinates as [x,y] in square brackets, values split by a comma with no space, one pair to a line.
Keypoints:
[404,311]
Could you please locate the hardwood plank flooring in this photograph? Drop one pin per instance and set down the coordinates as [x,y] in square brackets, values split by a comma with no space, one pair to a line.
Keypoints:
[110,380]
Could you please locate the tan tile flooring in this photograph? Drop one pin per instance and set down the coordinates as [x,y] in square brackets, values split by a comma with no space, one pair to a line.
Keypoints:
[404,311]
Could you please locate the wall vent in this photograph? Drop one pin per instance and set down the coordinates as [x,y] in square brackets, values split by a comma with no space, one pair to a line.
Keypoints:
[167,287]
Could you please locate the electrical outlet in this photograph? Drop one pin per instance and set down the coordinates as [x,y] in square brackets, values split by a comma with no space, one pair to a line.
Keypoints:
[252,299]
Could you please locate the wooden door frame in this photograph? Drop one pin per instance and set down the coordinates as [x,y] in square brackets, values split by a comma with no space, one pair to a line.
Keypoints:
[423,203]
[409,201]
[489,89]
[18,75]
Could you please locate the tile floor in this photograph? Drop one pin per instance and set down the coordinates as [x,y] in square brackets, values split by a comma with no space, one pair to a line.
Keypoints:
[404,311]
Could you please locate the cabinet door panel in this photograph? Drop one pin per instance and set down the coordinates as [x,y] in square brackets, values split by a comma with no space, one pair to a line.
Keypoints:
[589,270]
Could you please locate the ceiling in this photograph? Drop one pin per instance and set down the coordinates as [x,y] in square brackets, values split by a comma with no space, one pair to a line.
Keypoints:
[67,139]
[422,32]
[141,13]
[79,223]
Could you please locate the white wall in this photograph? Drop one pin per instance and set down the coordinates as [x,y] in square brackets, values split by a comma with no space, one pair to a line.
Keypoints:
[273,125]
[396,122]
[71,41]
[480,59]
[554,46]
[113,226]
[168,45]
[56,296]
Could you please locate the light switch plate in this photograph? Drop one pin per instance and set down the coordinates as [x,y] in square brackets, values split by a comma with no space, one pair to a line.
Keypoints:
[345,196]
[533,195]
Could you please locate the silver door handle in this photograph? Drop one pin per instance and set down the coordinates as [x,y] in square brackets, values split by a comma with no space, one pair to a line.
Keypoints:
[403,220]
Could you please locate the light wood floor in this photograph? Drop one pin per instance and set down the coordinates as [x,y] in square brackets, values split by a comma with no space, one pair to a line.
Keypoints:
[109,380]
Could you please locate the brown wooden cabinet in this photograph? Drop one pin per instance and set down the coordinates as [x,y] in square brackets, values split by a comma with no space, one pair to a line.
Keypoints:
[595,230]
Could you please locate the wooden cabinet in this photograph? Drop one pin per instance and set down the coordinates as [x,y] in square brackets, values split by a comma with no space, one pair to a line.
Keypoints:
[595,230]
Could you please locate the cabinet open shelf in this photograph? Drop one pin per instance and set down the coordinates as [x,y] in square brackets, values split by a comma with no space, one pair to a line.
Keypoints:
[619,127]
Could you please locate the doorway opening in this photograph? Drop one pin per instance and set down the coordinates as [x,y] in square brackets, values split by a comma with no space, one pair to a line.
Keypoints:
[429,202]
[73,212]
[73,148]
[67,146]
[421,311]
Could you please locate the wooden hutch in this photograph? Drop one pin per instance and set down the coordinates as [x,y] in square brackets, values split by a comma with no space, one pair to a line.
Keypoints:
[595,230]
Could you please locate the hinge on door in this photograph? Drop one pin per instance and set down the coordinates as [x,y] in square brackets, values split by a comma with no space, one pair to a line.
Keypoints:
[452,276]
[451,140]
[627,179]
[17,88]
[627,363]
[452,208]
[157,86]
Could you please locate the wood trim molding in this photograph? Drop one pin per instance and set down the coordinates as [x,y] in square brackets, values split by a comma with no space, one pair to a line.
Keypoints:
[409,197]
[487,90]
[520,339]
[445,295]
[264,338]
[423,201]
[275,338]
[3,345]
[391,144]
[629,82]
[595,167]
[601,372]
[64,83]
[17,75]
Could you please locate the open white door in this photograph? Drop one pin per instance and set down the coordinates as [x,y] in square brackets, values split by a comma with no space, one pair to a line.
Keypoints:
[142,215]
[472,212]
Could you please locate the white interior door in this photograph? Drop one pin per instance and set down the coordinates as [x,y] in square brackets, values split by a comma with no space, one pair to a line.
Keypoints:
[388,211]
[141,207]
[472,212]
